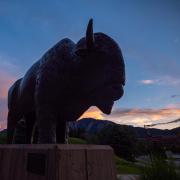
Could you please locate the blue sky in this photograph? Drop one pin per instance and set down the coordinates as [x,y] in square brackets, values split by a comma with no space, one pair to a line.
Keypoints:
[148,33]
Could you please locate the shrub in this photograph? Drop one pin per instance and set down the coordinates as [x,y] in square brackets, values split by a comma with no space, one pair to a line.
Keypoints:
[3,139]
[159,169]
[120,138]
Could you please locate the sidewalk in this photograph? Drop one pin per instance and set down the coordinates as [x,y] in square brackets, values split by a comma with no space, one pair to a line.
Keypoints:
[127,177]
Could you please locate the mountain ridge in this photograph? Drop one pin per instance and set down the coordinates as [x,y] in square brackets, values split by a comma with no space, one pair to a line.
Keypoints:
[92,126]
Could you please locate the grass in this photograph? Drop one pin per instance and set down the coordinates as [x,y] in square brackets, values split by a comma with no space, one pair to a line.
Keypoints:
[3,138]
[126,167]
[73,140]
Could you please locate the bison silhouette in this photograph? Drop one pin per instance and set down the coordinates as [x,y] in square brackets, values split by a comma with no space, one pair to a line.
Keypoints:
[64,83]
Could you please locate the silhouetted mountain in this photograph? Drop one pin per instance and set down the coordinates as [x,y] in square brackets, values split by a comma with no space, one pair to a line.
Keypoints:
[142,132]
[3,132]
[176,130]
[91,126]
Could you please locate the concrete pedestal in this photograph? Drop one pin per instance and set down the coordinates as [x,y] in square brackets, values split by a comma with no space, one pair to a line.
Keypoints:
[56,162]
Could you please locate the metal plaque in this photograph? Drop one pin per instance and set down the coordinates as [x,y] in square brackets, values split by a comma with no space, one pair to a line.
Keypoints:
[36,163]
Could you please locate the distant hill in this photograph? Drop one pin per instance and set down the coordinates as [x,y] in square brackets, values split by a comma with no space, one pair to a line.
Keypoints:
[92,126]
[176,130]
[89,125]
[3,132]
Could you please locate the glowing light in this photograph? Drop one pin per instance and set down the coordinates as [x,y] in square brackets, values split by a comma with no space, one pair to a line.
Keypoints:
[92,112]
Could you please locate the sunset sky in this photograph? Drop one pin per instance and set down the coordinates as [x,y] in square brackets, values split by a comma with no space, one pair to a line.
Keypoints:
[148,33]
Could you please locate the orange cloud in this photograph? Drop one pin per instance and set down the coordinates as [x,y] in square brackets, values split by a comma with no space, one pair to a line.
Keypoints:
[3,125]
[173,106]
[92,112]
[150,112]
[6,80]
[137,117]
[164,80]
[3,113]
[141,117]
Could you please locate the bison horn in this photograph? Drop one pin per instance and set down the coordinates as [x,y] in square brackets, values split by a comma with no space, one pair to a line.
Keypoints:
[89,35]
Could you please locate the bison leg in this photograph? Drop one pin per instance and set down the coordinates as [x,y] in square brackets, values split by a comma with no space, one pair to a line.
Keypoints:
[20,133]
[61,133]
[35,132]
[30,119]
[11,126]
[46,126]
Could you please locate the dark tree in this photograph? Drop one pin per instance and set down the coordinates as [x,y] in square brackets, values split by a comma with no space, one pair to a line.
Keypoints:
[121,139]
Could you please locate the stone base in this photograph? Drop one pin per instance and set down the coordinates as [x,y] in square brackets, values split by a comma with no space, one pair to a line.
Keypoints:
[56,162]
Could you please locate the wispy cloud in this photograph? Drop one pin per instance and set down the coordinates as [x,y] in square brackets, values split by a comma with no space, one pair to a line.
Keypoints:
[155,114]
[173,106]
[164,81]
[148,81]
[169,122]
[175,96]
[137,116]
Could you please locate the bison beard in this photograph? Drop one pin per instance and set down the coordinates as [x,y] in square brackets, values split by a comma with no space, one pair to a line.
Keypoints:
[64,83]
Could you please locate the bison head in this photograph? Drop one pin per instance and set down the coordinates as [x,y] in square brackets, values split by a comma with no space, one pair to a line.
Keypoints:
[100,76]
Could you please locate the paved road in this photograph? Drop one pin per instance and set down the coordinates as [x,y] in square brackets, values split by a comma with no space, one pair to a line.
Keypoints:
[128,177]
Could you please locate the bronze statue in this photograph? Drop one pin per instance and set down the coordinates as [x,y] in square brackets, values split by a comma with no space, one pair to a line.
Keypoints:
[64,83]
